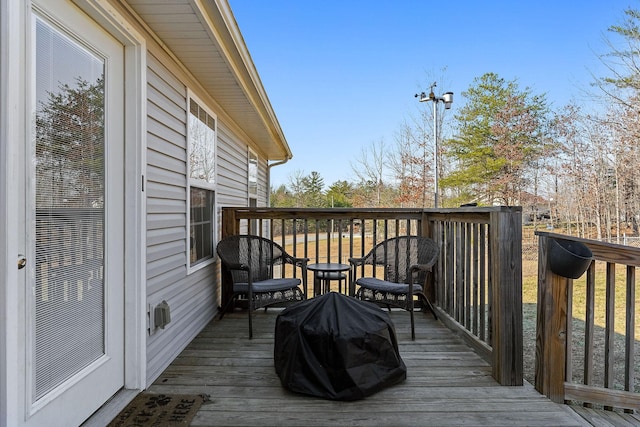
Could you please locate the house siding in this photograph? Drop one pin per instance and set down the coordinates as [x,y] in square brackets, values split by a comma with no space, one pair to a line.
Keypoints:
[232,169]
[193,297]
[263,186]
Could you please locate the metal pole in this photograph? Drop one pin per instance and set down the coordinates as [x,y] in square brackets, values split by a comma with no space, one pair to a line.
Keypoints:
[435,152]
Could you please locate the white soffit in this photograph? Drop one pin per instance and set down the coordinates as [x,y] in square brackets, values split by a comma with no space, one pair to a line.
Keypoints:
[204,36]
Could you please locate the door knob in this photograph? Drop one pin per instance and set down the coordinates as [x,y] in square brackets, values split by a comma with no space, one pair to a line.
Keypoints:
[22,261]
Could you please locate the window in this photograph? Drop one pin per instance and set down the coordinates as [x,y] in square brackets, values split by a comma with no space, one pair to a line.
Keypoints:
[253,188]
[253,174]
[202,144]
[201,225]
[202,168]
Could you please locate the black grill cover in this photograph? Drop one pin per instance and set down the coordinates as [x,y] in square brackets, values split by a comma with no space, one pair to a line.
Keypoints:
[336,347]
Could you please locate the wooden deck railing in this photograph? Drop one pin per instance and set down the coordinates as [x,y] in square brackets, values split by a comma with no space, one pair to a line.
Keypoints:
[603,304]
[479,283]
[477,287]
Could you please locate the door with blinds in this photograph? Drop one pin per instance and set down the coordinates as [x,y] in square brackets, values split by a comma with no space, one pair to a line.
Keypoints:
[74,218]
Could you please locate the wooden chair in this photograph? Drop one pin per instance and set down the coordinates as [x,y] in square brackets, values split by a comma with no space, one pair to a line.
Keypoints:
[407,262]
[251,261]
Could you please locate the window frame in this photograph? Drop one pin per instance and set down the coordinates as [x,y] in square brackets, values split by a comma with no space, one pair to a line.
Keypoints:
[252,156]
[252,193]
[195,183]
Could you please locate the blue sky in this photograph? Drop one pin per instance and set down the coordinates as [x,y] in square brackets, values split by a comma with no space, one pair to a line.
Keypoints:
[342,74]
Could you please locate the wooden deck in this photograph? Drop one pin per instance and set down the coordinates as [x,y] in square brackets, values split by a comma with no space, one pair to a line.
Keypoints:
[447,384]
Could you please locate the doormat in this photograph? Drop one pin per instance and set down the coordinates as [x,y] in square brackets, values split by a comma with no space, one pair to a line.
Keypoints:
[166,410]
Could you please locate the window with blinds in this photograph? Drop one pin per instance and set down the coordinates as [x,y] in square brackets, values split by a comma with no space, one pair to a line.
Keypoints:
[69,207]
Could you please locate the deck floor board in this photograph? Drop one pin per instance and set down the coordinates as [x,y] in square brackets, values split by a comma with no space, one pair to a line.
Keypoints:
[447,383]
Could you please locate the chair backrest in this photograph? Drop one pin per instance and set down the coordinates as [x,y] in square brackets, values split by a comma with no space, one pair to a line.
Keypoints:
[259,253]
[398,254]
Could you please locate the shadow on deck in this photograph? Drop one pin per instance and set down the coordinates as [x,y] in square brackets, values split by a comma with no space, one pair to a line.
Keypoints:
[447,383]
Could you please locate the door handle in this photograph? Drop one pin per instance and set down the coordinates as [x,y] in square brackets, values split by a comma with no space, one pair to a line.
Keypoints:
[22,261]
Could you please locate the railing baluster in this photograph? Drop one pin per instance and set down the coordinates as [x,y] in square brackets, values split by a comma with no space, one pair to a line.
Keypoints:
[475,268]
[317,231]
[467,272]
[483,284]
[459,272]
[328,244]
[306,238]
[568,368]
[630,327]
[340,258]
[610,318]
[589,326]
[450,267]
[362,242]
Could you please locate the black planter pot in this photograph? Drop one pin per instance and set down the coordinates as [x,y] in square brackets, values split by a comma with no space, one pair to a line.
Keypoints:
[567,258]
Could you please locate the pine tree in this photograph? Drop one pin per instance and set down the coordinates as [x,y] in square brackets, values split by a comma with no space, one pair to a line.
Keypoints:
[502,131]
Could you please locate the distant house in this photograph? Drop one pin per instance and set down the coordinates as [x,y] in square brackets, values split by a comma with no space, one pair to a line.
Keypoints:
[125,127]
[535,208]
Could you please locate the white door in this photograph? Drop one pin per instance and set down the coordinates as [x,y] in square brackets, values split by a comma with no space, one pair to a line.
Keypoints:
[74,308]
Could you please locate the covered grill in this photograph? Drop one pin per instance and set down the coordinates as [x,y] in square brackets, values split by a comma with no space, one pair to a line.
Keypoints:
[336,347]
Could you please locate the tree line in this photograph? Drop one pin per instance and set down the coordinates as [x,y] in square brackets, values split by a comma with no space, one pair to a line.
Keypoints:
[575,168]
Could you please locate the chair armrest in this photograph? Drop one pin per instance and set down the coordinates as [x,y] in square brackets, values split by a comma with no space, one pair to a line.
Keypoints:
[420,267]
[356,261]
[299,261]
[417,267]
[238,266]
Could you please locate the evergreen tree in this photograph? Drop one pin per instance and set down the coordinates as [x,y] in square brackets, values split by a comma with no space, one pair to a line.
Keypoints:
[312,187]
[339,195]
[281,197]
[502,131]
[623,63]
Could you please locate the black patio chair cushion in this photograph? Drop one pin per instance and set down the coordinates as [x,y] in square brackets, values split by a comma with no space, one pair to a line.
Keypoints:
[385,286]
[270,285]
[336,347]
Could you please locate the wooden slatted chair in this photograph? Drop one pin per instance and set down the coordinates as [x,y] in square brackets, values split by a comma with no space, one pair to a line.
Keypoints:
[407,261]
[251,261]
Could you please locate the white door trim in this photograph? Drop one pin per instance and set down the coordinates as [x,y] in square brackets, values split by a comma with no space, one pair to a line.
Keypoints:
[13,22]
[135,169]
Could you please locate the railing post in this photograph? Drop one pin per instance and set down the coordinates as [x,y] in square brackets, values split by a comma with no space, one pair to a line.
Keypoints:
[229,228]
[551,328]
[506,275]
[230,223]
[426,229]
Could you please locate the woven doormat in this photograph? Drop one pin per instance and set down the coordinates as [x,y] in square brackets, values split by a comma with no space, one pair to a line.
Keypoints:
[166,410]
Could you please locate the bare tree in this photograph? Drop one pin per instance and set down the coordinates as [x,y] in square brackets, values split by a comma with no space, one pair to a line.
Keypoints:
[370,168]
[411,163]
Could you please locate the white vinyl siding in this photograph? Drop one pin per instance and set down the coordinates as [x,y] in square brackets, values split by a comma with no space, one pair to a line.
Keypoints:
[232,169]
[263,190]
[191,298]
